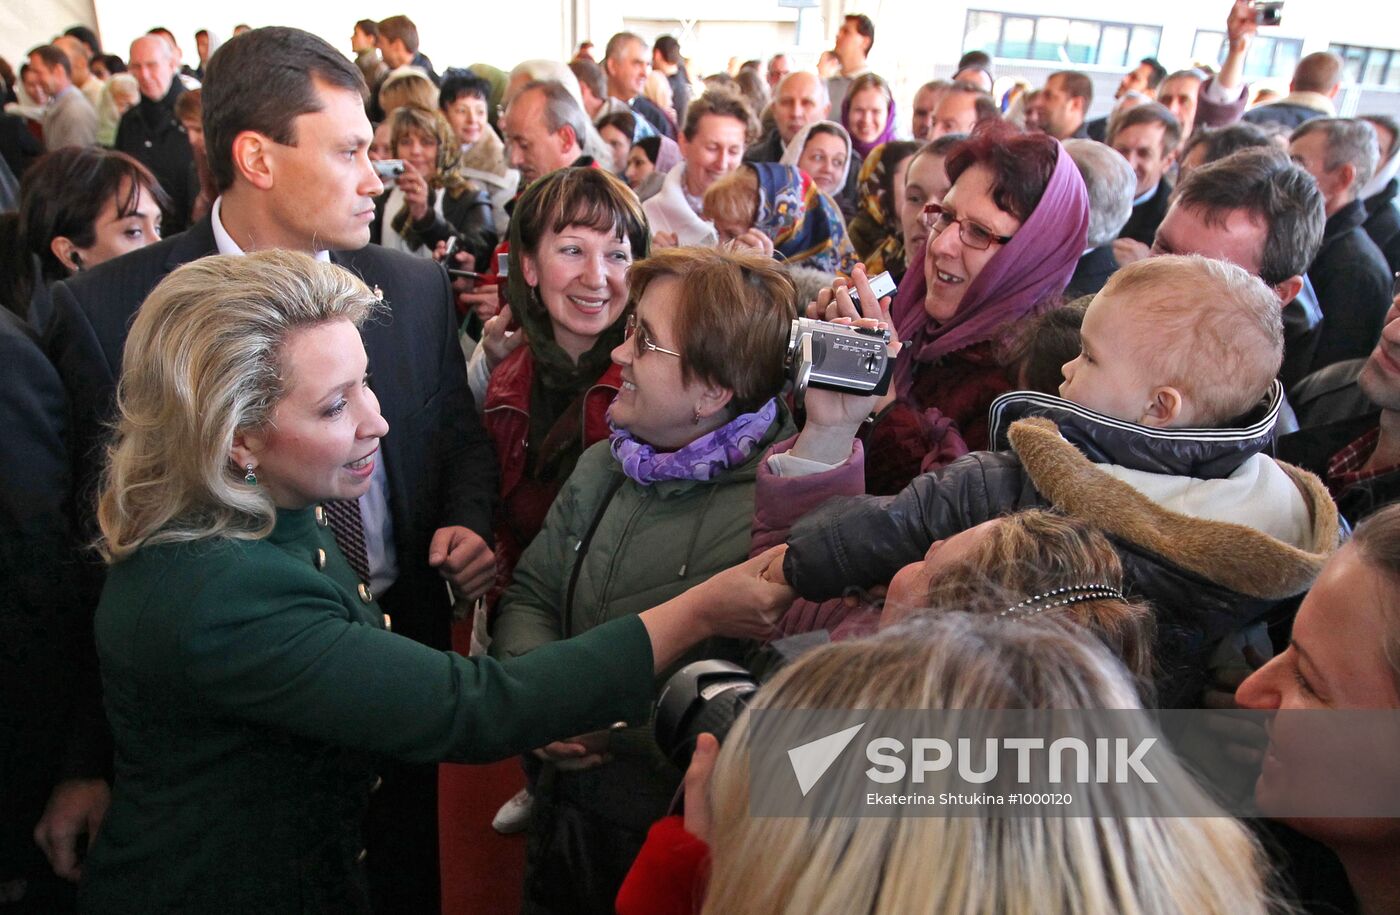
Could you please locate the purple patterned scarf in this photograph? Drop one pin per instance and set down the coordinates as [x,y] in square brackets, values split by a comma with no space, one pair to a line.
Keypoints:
[703,459]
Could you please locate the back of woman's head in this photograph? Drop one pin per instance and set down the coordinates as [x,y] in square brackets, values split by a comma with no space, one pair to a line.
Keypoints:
[1020,164]
[732,314]
[408,87]
[1042,347]
[203,361]
[64,193]
[1055,569]
[907,861]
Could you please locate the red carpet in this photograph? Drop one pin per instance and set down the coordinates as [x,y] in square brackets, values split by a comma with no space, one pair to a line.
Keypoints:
[481,869]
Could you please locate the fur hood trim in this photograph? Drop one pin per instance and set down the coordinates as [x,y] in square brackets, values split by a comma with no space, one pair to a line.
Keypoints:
[1237,557]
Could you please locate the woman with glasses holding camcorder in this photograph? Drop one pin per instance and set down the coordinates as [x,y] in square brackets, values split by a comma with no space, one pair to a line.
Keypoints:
[1002,245]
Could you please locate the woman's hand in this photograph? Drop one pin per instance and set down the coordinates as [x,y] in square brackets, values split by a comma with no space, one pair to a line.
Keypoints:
[833,418]
[739,603]
[497,339]
[697,787]
[664,240]
[755,241]
[577,753]
[414,188]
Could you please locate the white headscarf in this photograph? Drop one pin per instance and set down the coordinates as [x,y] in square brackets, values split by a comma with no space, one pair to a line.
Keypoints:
[1387,170]
[793,151]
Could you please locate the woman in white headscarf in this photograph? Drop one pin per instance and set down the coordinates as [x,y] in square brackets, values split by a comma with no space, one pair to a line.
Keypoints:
[823,150]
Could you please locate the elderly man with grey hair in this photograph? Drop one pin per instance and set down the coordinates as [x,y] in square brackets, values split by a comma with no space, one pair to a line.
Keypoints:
[1110,181]
[1349,273]
[152,133]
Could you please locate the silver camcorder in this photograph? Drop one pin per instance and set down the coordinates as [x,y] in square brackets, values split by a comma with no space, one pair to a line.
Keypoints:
[838,357]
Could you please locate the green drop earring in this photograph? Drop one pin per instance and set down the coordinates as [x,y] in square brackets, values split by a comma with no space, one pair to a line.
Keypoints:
[250,478]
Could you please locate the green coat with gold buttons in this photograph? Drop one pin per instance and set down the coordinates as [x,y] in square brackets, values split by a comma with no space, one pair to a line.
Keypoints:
[251,689]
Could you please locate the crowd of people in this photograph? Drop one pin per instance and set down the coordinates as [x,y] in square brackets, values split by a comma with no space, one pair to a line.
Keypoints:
[310,359]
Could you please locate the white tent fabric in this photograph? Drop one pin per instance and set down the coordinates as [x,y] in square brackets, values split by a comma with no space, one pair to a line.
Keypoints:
[27,23]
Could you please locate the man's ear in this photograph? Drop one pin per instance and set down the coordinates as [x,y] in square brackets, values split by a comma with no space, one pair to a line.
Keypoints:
[1163,409]
[1346,176]
[1288,290]
[254,158]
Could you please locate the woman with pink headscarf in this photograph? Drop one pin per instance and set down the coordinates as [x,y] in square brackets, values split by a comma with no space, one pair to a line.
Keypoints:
[1003,243]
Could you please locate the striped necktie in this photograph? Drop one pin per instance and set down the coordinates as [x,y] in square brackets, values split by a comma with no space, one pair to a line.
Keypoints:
[349,528]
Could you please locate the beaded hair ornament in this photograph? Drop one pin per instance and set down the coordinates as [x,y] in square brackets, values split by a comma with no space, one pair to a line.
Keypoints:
[1062,597]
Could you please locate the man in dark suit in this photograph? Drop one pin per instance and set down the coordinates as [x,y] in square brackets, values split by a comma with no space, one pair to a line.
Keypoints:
[41,628]
[1358,456]
[287,139]
[1147,136]
[1349,273]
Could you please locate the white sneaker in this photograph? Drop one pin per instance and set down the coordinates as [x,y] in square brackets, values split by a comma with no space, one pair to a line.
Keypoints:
[514,814]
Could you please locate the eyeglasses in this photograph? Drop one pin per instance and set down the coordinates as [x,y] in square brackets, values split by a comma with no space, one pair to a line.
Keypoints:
[638,335]
[935,218]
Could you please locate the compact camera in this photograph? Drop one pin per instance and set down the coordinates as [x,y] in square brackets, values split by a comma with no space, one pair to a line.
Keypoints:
[881,284]
[1268,13]
[838,357]
[388,171]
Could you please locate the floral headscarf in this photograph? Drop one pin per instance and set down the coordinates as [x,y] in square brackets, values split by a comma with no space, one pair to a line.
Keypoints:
[803,221]
[875,229]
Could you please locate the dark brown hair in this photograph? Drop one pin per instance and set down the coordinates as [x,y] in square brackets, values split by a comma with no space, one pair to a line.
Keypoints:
[732,316]
[262,81]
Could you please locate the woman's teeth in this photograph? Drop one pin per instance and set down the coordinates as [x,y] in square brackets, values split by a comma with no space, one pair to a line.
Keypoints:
[362,463]
[589,305]
[628,386]
[948,277]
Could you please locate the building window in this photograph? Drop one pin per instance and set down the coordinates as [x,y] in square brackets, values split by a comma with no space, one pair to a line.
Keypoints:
[1064,41]
[1371,66]
[1268,56]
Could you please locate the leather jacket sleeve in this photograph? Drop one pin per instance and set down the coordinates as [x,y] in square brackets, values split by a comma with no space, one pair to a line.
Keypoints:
[863,541]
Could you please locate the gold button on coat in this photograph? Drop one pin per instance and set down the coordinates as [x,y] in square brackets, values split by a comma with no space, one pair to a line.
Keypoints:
[388,622]
[320,559]
[321,516]
[365,594]
[360,858]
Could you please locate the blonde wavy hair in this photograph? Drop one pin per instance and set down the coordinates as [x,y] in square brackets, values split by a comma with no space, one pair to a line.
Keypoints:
[204,360]
[907,863]
[1035,552]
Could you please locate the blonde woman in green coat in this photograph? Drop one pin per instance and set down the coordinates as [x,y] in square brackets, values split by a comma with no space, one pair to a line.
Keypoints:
[249,677]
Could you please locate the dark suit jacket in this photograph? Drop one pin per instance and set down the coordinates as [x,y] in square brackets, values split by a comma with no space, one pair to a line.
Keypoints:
[150,133]
[40,621]
[440,464]
[1353,288]
[1383,224]
[1313,449]
[1147,216]
[1092,271]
